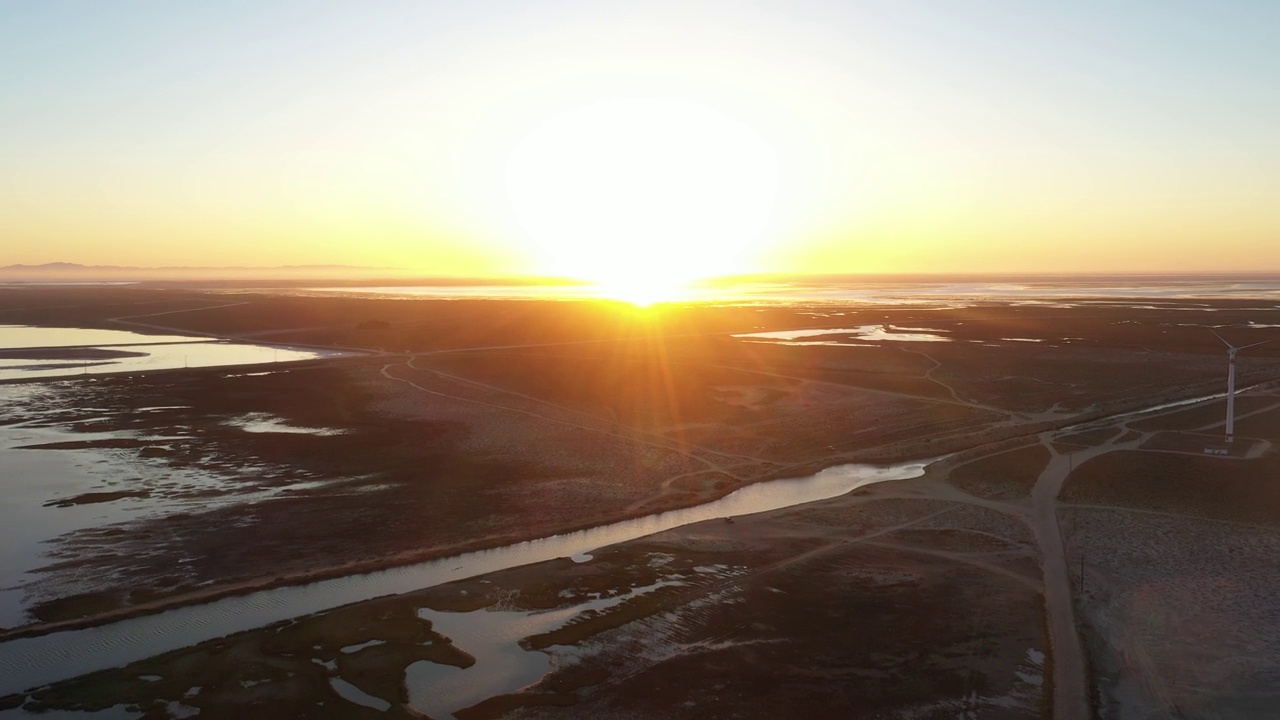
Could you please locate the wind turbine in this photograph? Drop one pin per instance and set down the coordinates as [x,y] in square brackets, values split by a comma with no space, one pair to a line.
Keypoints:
[1231,380]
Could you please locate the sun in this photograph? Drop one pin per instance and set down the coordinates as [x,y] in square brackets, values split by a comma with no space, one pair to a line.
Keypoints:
[642,196]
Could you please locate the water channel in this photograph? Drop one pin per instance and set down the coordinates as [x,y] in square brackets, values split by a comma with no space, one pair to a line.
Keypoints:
[30,662]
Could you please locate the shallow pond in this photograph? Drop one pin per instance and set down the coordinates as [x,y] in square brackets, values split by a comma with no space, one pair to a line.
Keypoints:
[28,353]
[48,494]
[861,332]
[30,336]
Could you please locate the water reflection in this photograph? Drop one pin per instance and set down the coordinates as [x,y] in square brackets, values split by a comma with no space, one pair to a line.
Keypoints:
[27,336]
[28,662]
[861,332]
[38,352]
[267,423]
[493,637]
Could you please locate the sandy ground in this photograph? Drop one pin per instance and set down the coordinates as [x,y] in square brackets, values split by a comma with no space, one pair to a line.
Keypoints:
[1173,558]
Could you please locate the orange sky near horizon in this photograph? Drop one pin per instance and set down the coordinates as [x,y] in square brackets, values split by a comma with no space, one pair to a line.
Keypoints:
[661,140]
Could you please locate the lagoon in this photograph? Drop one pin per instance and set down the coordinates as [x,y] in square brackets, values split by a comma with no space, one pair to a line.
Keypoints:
[37,353]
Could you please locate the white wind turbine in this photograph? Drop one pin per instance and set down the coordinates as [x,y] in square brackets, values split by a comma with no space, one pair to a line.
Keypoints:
[1231,380]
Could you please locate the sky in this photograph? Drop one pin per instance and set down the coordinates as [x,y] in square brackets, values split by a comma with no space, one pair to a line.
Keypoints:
[661,138]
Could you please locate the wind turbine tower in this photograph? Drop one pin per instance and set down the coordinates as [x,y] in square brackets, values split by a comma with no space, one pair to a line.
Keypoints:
[1231,381]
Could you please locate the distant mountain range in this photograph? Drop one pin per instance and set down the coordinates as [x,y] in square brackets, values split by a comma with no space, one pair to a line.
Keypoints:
[75,272]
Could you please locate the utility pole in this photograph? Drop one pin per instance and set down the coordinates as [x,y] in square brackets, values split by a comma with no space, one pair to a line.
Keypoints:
[1231,393]
[1082,570]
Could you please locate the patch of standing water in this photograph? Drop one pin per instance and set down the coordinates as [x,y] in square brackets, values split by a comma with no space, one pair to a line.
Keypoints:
[28,336]
[813,342]
[861,332]
[356,695]
[360,646]
[48,493]
[164,357]
[35,480]
[31,661]
[72,352]
[492,637]
[264,423]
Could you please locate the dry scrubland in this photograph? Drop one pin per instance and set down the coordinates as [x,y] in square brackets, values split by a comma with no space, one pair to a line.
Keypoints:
[475,423]
[1181,581]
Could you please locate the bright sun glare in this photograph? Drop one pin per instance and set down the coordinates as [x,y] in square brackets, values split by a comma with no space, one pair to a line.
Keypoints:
[642,196]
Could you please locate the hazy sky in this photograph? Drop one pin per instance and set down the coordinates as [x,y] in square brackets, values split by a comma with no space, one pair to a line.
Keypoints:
[908,136]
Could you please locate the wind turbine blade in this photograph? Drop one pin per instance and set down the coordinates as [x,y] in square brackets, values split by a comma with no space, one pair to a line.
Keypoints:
[1264,342]
[1224,342]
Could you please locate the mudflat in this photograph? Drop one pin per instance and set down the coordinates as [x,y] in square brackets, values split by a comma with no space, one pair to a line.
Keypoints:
[475,423]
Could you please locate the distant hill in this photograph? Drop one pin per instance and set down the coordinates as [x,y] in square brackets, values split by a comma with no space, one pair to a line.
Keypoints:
[75,272]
